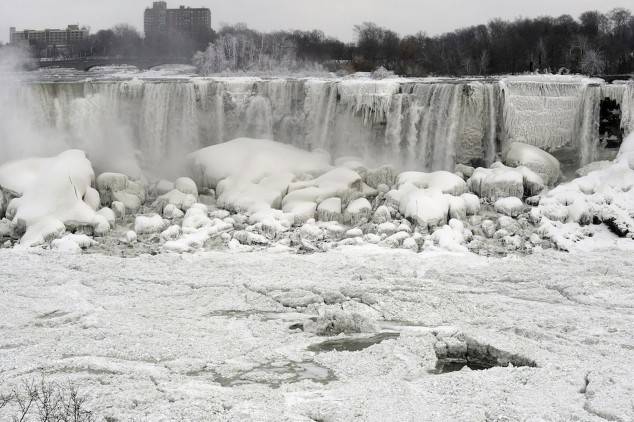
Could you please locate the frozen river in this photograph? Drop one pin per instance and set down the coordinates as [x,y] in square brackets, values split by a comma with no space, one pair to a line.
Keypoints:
[227,336]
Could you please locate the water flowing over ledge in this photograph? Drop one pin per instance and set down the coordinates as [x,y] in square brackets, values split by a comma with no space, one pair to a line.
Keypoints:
[426,124]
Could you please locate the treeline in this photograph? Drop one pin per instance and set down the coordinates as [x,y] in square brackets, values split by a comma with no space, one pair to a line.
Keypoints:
[238,48]
[596,43]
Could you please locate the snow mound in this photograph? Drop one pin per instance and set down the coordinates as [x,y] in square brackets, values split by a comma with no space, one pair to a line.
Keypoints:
[538,160]
[149,224]
[444,181]
[501,181]
[117,187]
[252,160]
[53,195]
[605,195]
[510,206]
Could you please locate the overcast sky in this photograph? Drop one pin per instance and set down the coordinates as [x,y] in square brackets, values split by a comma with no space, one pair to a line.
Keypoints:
[334,17]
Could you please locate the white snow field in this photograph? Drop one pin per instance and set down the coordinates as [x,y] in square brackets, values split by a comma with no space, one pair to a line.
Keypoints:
[217,335]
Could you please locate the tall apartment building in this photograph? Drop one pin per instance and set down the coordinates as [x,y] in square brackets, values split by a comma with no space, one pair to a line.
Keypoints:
[161,22]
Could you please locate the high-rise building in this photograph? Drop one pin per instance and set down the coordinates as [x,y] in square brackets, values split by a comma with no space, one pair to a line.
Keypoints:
[161,22]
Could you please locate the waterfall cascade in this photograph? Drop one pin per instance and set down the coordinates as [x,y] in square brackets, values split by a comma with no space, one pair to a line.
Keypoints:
[411,123]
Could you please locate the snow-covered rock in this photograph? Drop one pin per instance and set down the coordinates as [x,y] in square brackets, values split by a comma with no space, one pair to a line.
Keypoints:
[180,200]
[539,161]
[429,208]
[53,192]
[358,211]
[510,206]
[187,186]
[171,233]
[118,208]
[330,210]
[163,186]
[109,215]
[171,211]
[252,160]
[472,203]
[129,237]
[149,224]
[118,187]
[72,243]
[450,237]
[500,181]
[196,218]
[92,198]
[443,181]
[382,215]
[385,175]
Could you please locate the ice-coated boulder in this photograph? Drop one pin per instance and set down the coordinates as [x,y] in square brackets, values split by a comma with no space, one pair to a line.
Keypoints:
[382,214]
[109,215]
[253,159]
[149,224]
[488,228]
[464,170]
[52,195]
[356,232]
[429,208]
[385,175]
[501,181]
[330,210]
[118,187]
[443,181]
[196,217]
[72,243]
[472,203]
[186,185]
[518,154]
[171,211]
[129,237]
[92,198]
[510,206]
[180,200]
[457,207]
[118,208]
[449,237]
[163,186]
[358,211]
[171,233]
[311,232]
[339,182]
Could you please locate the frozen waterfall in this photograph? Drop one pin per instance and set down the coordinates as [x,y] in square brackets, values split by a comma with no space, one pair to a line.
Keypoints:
[422,124]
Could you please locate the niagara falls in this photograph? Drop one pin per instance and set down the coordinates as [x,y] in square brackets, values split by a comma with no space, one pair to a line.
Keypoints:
[426,216]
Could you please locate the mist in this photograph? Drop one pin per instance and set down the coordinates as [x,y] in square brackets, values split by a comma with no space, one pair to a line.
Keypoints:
[32,123]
